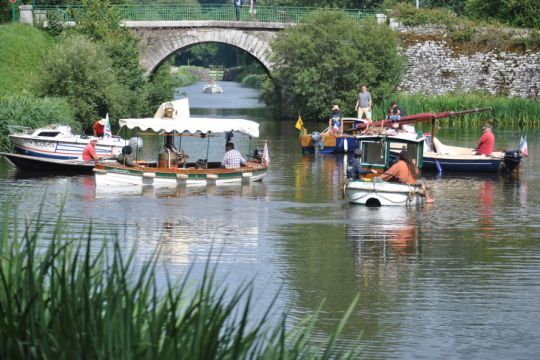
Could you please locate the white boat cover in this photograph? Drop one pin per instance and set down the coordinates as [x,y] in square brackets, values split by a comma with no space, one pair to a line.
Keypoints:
[193,125]
[182,122]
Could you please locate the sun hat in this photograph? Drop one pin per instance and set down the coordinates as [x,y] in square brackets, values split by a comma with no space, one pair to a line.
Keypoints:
[335,107]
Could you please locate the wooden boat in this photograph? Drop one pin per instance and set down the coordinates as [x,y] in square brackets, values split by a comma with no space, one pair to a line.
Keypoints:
[172,169]
[212,88]
[326,142]
[59,142]
[44,164]
[376,154]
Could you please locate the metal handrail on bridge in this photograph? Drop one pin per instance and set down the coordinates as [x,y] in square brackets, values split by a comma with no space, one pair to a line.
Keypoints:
[287,14]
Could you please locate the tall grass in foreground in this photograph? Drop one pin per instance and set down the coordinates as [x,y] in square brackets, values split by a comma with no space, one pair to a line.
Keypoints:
[508,113]
[62,299]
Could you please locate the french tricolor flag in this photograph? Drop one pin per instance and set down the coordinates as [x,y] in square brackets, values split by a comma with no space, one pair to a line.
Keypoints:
[523,146]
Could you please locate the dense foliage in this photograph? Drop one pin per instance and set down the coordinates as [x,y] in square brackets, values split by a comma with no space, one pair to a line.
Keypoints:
[29,111]
[66,299]
[325,59]
[80,71]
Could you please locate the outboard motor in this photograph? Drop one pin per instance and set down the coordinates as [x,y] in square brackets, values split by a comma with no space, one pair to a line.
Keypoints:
[317,140]
[511,160]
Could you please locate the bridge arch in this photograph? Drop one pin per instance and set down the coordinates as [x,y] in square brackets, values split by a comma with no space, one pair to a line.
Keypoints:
[159,44]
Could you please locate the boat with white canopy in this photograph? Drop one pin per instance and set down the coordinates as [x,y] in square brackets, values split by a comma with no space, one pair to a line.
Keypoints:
[172,166]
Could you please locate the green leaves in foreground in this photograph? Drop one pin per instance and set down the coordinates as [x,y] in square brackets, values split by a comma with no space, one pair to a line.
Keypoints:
[62,299]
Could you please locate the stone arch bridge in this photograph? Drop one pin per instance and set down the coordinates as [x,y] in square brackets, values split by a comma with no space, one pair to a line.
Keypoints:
[161,39]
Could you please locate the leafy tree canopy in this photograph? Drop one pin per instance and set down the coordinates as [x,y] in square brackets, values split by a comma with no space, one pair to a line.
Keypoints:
[325,59]
[80,71]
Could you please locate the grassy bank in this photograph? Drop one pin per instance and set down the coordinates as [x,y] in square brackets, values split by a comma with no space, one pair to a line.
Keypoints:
[67,299]
[21,50]
[510,113]
[187,75]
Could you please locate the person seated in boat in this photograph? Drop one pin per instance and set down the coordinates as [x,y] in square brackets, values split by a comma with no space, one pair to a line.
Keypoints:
[486,142]
[89,152]
[354,168]
[405,172]
[232,158]
[99,128]
[334,121]
[394,112]
[126,157]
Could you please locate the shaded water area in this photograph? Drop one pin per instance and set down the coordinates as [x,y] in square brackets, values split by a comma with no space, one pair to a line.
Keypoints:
[457,279]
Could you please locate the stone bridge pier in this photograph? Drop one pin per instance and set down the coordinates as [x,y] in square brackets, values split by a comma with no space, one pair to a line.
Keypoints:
[161,39]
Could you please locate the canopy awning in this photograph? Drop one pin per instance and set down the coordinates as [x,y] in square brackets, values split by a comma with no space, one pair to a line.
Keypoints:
[193,125]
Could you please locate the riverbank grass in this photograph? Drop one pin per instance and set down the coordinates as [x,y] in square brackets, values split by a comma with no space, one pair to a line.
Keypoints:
[506,113]
[67,299]
[22,48]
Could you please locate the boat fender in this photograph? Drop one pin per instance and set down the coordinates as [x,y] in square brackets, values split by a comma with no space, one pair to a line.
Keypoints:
[246,177]
[181,179]
[148,178]
[211,179]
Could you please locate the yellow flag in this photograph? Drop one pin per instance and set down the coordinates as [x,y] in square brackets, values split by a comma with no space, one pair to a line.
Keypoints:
[299,123]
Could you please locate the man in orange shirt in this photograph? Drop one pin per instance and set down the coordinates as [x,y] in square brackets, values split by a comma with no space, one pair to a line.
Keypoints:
[406,172]
[89,152]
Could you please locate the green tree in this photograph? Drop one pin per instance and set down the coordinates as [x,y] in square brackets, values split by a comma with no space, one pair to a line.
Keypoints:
[323,61]
[524,13]
[80,71]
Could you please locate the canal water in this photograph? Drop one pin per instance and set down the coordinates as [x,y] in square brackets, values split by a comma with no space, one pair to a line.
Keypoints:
[456,279]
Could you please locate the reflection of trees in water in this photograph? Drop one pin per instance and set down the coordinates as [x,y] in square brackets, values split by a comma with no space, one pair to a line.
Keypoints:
[318,176]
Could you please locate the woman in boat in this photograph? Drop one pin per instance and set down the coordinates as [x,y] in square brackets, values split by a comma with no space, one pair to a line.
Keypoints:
[406,172]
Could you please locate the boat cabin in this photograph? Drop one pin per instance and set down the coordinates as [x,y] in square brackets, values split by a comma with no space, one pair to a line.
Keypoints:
[380,152]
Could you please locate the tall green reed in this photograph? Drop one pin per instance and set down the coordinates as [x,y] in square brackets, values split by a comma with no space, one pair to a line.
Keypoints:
[61,298]
[506,113]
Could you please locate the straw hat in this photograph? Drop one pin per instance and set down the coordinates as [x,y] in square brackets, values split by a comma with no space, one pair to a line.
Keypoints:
[335,107]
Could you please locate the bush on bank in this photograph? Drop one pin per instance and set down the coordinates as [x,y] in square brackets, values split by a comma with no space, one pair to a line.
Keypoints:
[324,60]
[66,299]
[32,112]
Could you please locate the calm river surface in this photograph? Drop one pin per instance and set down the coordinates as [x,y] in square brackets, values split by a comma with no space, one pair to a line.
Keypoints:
[457,279]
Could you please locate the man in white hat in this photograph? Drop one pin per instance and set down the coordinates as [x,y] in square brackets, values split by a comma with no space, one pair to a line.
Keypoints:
[334,121]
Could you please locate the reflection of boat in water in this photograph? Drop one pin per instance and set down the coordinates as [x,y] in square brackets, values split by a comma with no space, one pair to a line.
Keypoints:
[212,88]
[59,142]
[172,167]
[376,155]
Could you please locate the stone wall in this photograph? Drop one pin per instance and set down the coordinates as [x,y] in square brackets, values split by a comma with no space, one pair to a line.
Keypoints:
[435,68]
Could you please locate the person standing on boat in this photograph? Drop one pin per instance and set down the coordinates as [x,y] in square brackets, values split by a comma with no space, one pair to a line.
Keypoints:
[486,142]
[406,172]
[233,158]
[237,5]
[363,104]
[334,121]
[354,169]
[89,152]
[99,128]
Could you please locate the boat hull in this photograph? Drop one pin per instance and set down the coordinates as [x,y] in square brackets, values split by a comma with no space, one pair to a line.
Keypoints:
[63,149]
[372,193]
[125,176]
[330,145]
[36,163]
[480,164]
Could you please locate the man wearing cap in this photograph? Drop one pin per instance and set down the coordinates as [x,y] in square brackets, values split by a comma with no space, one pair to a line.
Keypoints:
[89,152]
[354,169]
[99,128]
[486,142]
[334,121]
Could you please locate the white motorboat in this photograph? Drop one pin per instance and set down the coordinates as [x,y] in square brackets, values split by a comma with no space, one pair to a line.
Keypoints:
[59,142]
[376,155]
[212,88]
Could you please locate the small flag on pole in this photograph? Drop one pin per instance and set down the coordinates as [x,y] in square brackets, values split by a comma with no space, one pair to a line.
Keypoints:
[523,146]
[107,129]
[266,154]
[299,123]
